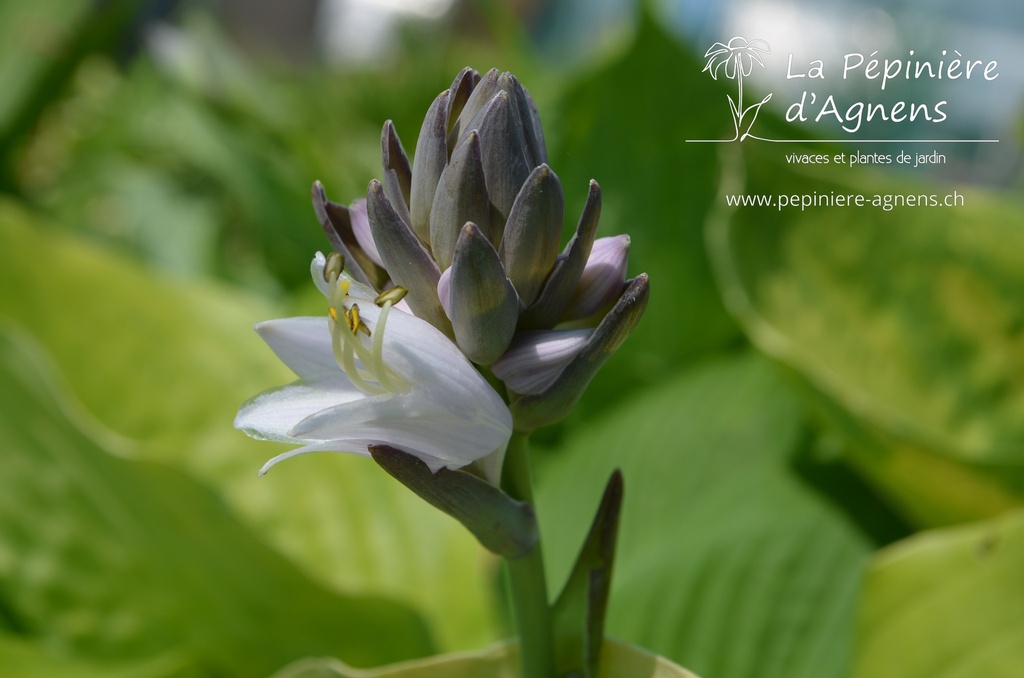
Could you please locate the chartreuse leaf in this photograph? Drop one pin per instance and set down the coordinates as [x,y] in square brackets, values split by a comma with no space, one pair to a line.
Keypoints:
[905,327]
[167,362]
[119,560]
[728,562]
[618,660]
[22,659]
[946,604]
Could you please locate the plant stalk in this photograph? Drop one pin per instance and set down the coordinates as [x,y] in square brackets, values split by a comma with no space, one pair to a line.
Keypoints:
[528,590]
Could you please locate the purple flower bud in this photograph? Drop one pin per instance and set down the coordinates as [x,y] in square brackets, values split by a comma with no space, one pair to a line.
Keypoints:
[535,359]
[603,279]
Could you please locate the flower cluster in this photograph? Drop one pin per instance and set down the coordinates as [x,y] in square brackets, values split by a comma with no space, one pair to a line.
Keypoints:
[472,231]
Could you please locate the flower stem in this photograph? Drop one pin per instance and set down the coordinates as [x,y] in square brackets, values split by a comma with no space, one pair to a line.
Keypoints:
[528,587]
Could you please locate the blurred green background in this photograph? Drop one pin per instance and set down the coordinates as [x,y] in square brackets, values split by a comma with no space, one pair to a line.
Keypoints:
[820,419]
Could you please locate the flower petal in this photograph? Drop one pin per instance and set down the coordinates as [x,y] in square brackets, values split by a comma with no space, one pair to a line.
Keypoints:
[537,358]
[603,277]
[304,345]
[361,230]
[272,415]
[413,422]
[716,49]
[428,360]
[759,45]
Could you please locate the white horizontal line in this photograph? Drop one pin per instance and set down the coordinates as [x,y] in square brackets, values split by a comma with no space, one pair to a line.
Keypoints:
[850,141]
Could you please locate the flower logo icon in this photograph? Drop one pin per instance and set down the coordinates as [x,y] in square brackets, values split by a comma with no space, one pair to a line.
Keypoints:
[736,60]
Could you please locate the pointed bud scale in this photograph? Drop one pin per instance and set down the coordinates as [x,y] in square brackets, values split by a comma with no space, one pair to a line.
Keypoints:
[550,306]
[531,124]
[526,112]
[431,157]
[337,222]
[394,160]
[461,196]
[603,277]
[483,90]
[558,399]
[405,258]
[482,303]
[462,88]
[533,231]
[503,150]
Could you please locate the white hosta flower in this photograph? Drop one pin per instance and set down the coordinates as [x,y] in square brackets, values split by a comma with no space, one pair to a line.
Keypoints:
[372,374]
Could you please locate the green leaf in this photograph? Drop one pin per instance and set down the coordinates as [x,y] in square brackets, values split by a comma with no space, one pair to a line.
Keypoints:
[618,660]
[904,326]
[728,562]
[165,363]
[579,612]
[946,604]
[118,559]
[40,44]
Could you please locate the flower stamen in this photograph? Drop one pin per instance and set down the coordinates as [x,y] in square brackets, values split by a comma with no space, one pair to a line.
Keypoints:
[370,374]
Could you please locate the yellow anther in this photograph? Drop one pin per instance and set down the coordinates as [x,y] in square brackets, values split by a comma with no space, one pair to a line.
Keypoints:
[334,314]
[355,324]
[394,295]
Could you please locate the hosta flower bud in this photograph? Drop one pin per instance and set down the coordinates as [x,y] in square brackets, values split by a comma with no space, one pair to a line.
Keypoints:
[461,197]
[603,278]
[482,303]
[534,227]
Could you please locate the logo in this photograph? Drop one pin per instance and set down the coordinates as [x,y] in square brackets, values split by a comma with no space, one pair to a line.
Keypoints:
[893,98]
[736,60]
